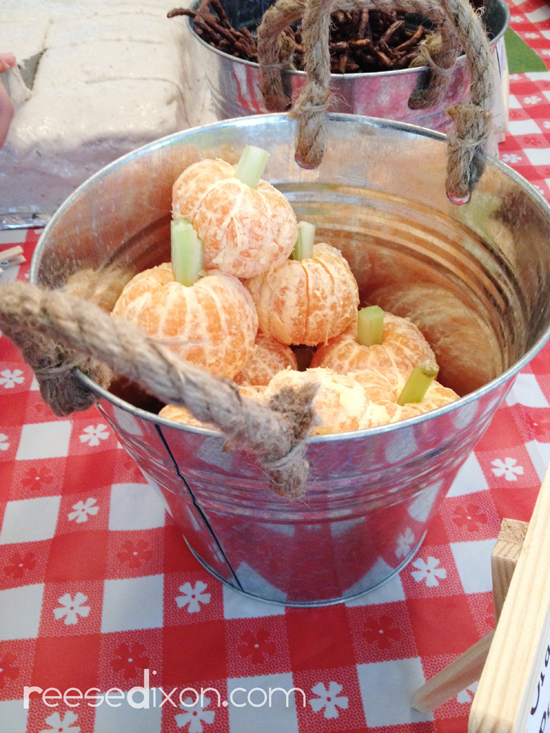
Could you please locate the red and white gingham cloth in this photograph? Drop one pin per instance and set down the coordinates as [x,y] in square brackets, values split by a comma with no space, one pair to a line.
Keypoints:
[97,584]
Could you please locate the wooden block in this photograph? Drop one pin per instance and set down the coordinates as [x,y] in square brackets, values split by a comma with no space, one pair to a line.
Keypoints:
[467,668]
[514,690]
[504,559]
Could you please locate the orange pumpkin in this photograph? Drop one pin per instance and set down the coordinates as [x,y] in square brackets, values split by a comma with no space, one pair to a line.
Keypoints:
[245,230]
[212,323]
[360,400]
[306,301]
[403,346]
[341,402]
[267,359]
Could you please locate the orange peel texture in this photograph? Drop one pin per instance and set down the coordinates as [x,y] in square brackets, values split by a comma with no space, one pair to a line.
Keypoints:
[212,324]
[245,230]
[403,346]
[306,301]
[268,358]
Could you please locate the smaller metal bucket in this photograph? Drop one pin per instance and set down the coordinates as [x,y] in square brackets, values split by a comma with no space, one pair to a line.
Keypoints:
[235,83]
[476,277]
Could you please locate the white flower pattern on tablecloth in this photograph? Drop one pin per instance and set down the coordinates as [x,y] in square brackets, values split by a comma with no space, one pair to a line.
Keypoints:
[428,571]
[62,725]
[193,596]
[195,715]
[510,158]
[72,609]
[517,18]
[507,468]
[545,52]
[94,434]
[8,379]
[82,510]
[328,699]
[404,543]
[532,100]
[532,35]
[4,445]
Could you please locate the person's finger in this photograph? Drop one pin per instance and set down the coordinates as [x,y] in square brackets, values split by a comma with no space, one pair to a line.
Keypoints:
[7,61]
[6,113]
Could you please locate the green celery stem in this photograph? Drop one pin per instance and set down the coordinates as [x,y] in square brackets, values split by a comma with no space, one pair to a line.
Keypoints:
[251,165]
[187,252]
[370,325]
[417,384]
[303,248]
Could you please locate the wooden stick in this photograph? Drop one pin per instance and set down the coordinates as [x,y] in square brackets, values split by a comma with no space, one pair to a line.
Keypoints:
[514,690]
[467,669]
[464,671]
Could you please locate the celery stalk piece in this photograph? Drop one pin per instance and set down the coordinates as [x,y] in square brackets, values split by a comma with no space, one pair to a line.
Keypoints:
[187,254]
[304,244]
[251,165]
[370,325]
[417,384]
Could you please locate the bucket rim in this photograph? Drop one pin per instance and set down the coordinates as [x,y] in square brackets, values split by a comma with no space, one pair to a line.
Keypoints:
[332,118]
[503,6]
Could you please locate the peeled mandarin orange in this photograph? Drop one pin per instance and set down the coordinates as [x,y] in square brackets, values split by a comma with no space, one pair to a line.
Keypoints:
[268,358]
[359,400]
[212,323]
[403,346]
[306,301]
[341,402]
[181,414]
[245,230]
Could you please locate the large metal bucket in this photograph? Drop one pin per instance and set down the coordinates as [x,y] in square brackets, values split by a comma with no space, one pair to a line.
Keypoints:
[235,83]
[476,276]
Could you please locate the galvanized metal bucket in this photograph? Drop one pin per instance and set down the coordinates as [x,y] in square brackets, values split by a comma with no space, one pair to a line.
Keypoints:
[477,277]
[235,83]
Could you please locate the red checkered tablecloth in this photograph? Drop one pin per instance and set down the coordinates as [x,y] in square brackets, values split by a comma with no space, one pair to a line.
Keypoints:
[98,589]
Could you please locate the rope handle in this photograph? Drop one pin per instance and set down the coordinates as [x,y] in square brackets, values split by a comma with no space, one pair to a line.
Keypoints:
[460,28]
[57,332]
